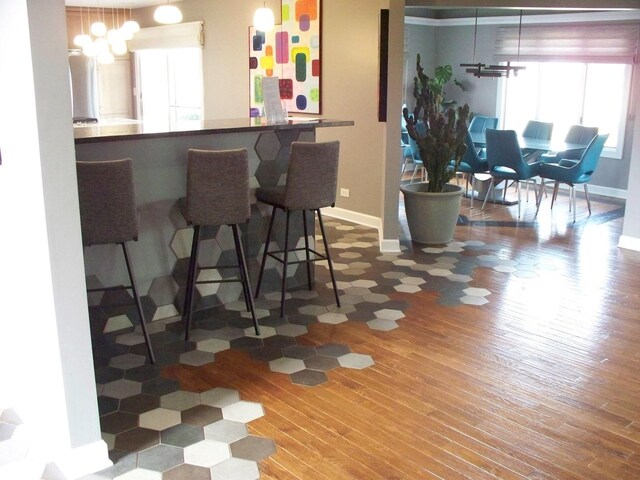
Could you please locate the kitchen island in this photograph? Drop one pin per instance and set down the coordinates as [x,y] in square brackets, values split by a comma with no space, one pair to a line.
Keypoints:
[161,254]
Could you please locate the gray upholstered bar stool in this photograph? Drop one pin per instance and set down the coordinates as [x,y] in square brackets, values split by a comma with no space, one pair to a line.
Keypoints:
[217,194]
[312,178]
[108,215]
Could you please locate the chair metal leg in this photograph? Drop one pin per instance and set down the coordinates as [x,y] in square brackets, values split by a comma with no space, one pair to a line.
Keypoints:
[415,169]
[266,250]
[586,195]
[244,277]
[573,192]
[519,201]
[488,193]
[539,198]
[306,248]
[136,297]
[285,263]
[326,251]
[191,282]
[473,178]
[556,186]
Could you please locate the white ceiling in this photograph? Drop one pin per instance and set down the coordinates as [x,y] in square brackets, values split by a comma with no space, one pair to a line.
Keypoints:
[113,3]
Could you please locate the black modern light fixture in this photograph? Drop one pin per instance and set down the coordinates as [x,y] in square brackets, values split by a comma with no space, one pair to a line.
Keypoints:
[495,71]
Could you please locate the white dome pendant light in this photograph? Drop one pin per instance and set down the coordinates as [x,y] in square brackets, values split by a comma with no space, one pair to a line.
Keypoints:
[167,14]
[263,19]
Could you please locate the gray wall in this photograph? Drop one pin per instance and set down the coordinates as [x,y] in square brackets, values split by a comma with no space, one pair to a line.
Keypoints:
[454,45]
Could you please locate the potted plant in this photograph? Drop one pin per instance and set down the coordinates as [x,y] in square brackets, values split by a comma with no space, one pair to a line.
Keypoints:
[440,132]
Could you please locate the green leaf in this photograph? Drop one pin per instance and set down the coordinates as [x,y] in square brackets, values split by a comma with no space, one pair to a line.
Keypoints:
[443,74]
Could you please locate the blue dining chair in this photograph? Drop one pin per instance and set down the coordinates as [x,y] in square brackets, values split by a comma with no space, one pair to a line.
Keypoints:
[479,124]
[506,162]
[572,173]
[412,152]
[536,129]
[470,164]
[577,134]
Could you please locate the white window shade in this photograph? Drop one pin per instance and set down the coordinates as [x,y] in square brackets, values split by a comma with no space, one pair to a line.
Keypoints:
[180,35]
[567,43]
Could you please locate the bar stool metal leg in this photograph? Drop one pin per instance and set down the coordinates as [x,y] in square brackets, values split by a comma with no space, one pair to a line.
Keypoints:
[306,248]
[266,250]
[244,275]
[285,266]
[134,290]
[326,251]
[191,281]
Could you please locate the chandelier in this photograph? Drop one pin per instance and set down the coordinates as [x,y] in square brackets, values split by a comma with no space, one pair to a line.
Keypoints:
[480,69]
[104,43]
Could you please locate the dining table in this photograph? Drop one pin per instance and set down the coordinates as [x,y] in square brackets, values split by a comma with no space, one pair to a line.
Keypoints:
[530,143]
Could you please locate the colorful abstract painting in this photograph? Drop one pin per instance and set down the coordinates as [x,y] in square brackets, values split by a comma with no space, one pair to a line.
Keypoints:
[291,52]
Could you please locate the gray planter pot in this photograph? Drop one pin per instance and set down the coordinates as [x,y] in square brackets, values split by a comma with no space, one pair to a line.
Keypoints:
[431,217]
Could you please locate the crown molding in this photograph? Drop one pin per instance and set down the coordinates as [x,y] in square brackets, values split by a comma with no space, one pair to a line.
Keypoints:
[614,16]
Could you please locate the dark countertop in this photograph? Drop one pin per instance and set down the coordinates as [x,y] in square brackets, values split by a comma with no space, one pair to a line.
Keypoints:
[132,130]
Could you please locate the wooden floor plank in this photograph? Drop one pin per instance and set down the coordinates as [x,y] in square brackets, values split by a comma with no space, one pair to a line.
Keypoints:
[542,382]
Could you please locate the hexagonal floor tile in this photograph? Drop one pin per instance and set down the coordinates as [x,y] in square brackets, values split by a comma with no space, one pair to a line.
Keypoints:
[219,397]
[253,448]
[355,360]
[159,419]
[180,400]
[242,411]
[225,431]
[206,453]
[286,365]
[236,469]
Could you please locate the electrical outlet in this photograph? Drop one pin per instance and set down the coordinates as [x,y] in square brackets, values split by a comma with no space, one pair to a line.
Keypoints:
[344,192]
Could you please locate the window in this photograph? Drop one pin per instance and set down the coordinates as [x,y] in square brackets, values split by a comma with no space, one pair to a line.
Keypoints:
[170,87]
[168,66]
[591,94]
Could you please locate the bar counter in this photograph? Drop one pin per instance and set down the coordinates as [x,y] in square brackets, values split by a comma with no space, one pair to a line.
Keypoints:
[161,254]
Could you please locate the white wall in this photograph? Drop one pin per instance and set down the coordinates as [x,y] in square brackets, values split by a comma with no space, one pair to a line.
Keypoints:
[46,367]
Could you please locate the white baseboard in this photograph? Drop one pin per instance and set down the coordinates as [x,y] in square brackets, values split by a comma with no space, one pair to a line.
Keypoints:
[82,461]
[630,243]
[598,190]
[386,245]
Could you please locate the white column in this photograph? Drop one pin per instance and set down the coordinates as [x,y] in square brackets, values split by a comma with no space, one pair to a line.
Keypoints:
[46,367]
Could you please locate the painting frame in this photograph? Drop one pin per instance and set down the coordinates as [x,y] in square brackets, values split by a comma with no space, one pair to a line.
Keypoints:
[292,52]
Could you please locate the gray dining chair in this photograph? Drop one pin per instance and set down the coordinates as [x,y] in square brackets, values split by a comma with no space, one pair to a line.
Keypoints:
[312,179]
[108,215]
[217,194]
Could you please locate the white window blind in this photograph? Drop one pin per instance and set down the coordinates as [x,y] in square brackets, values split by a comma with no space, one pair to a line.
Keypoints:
[568,43]
[180,35]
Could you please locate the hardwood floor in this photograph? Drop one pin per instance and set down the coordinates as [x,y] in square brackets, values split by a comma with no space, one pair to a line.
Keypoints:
[541,382]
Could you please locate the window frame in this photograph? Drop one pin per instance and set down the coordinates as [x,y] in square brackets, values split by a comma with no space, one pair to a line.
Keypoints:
[608,152]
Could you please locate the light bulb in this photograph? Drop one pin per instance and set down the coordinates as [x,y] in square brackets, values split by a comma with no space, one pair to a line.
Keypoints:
[131,26]
[81,40]
[106,57]
[263,19]
[89,49]
[98,29]
[125,34]
[114,36]
[167,14]
[119,48]
[102,46]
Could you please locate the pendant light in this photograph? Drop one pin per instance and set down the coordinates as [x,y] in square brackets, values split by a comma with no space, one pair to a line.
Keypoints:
[129,27]
[99,28]
[263,19]
[82,38]
[167,14]
[495,71]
